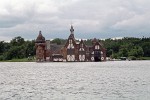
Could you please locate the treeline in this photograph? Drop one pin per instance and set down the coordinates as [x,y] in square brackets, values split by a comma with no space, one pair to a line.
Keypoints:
[17,48]
[134,48]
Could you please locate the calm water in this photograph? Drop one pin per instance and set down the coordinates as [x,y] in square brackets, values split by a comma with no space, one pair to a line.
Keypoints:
[120,80]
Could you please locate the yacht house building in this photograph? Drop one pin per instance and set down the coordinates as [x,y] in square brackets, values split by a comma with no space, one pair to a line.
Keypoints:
[72,51]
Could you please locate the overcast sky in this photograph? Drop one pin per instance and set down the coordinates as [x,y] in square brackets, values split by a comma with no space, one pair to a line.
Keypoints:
[90,18]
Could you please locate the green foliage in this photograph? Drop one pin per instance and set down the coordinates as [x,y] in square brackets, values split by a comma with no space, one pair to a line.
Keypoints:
[1,57]
[1,46]
[17,41]
[123,52]
[16,49]
[88,42]
[145,58]
[146,48]
[126,47]
[132,57]
[115,55]
[136,52]
[59,41]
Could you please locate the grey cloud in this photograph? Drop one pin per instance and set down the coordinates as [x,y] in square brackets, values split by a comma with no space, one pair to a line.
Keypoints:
[100,18]
[7,22]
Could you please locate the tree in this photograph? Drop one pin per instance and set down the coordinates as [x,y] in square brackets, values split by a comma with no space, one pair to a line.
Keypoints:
[123,52]
[136,52]
[57,41]
[140,52]
[2,45]
[146,48]
[17,41]
[29,48]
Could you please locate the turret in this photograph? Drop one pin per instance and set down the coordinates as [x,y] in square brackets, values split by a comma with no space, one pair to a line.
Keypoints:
[40,47]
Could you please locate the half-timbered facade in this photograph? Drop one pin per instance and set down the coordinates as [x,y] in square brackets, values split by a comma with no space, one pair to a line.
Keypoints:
[72,51]
[82,51]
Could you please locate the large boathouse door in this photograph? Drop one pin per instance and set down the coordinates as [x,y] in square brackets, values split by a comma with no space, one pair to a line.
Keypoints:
[97,53]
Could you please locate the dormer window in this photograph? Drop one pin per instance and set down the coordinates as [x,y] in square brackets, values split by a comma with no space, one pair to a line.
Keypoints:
[81,47]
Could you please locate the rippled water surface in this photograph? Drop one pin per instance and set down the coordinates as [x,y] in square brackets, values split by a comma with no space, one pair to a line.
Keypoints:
[120,80]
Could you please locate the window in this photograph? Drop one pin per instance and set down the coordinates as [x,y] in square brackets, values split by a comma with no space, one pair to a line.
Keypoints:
[97,47]
[70,44]
[81,47]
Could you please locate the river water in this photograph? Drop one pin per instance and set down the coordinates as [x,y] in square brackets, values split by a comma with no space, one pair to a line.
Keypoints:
[114,80]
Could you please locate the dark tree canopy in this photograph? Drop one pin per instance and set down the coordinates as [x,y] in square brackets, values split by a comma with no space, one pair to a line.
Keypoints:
[17,48]
[126,47]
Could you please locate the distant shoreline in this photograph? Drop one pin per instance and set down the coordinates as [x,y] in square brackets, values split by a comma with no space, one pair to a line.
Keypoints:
[33,60]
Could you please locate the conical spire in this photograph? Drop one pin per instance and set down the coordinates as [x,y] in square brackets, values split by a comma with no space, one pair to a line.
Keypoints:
[40,38]
[40,33]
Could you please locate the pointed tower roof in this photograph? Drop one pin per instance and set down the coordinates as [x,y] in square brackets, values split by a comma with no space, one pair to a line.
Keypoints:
[82,42]
[40,38]
[94,41]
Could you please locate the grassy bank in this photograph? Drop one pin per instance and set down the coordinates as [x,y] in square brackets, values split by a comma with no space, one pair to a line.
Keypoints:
[19,60]
[145,58]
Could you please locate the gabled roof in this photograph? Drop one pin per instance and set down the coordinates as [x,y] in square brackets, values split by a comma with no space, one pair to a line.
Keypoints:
[55,48]
[82,42]
[71,36]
